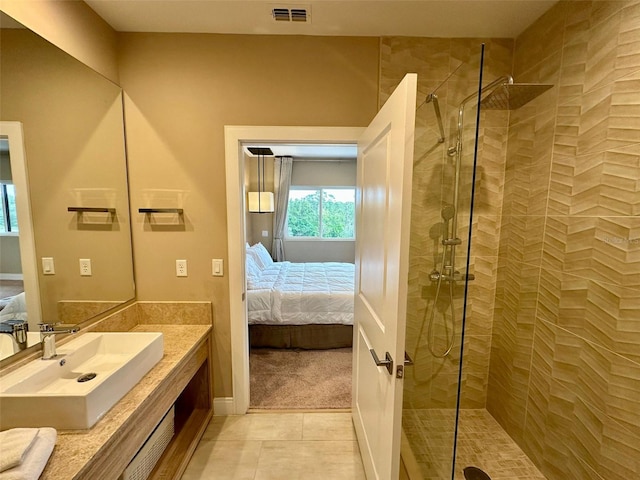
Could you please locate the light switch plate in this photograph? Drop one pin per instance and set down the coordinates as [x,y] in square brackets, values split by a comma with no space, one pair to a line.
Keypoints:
[217,267]
[48,267]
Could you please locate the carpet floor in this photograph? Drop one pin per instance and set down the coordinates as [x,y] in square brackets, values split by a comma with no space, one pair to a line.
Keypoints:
[300,379]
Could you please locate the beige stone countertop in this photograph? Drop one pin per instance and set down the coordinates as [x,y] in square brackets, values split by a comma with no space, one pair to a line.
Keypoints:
[75,448]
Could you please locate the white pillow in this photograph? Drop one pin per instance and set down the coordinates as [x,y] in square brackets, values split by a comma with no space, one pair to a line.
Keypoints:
[252,270]
[256,259]
[263,256]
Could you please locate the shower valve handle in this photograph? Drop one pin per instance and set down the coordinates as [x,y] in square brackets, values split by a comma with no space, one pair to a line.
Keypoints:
[451,241]
[436,276]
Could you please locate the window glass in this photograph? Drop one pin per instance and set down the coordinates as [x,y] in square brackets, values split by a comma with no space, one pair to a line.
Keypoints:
[338,212]
[8,215]
[11,200]
[321,213]
[303,213]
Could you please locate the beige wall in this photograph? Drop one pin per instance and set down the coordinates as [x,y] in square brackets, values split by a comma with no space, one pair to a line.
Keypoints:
[10,255]
[565,351]
[181,89]
[324,174]
[5,168]
[71,26]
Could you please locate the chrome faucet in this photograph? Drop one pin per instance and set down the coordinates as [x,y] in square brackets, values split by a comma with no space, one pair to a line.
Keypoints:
[17,330]
[48,339]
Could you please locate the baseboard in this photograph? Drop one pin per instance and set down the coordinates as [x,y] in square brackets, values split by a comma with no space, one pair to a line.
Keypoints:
[224,406]
[11,276]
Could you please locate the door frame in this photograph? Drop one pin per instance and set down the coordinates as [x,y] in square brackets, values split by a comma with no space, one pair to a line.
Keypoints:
[20,176]
[235,137]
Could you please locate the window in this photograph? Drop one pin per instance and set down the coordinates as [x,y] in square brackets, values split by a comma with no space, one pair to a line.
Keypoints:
[321,213]
[8,216]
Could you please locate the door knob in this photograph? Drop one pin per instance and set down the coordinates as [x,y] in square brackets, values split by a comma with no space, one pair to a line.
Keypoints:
[387,362]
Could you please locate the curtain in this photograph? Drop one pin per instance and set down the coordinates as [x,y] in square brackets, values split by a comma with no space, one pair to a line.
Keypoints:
[282,182]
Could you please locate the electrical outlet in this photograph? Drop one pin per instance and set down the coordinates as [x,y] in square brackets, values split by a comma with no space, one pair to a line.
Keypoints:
[181,268]
[265,233]
[85,267]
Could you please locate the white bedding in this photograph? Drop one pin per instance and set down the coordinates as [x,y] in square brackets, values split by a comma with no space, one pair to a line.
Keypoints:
[288,293]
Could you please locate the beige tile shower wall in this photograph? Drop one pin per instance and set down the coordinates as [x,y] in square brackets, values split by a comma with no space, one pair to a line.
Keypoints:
[565,362]
[432,382]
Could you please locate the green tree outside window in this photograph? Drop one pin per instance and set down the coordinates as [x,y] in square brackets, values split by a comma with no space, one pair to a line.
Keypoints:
[321,213]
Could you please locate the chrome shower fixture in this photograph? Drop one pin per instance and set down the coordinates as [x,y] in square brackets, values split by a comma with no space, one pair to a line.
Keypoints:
[433,98]
[510,96]
[500,94]
[448,211]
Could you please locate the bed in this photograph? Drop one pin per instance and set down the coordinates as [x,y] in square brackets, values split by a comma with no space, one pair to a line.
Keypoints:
[298,305]
[13,308]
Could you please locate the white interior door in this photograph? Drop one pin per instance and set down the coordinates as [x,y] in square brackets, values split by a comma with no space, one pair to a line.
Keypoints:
[383,208]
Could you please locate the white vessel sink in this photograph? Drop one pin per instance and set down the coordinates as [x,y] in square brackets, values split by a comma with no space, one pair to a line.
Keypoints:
[51,393]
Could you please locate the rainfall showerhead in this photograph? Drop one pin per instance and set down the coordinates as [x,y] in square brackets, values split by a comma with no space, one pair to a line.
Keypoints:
[509,96]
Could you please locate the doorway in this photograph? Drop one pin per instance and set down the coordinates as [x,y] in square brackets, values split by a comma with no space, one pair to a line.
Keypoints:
[385,158]
[236,138]
[12,146]
[300,306]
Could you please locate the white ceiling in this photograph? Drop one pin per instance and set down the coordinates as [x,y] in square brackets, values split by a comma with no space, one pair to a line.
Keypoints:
[425,18]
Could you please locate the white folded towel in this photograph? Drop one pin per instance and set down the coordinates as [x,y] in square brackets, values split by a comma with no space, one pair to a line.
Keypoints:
[14,445]
[35,458]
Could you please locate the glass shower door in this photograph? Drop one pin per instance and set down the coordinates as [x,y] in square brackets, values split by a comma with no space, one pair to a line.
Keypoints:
[440,265]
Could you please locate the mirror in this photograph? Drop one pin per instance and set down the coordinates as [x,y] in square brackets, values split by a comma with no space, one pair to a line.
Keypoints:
[74,159]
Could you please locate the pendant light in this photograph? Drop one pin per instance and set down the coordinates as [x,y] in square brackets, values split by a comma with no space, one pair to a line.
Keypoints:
[261,201]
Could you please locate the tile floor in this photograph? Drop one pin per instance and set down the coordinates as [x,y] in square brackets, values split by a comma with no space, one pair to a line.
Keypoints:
[278,446]
[310,446]
[481,443]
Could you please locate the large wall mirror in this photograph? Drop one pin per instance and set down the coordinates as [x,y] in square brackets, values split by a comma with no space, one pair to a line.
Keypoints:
[71,122]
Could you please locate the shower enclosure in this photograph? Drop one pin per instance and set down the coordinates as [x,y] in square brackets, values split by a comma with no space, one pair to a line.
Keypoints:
[445,151]
[444,402]
[543,355]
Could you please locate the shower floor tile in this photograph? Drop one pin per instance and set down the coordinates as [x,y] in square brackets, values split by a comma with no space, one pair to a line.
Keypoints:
[481,443]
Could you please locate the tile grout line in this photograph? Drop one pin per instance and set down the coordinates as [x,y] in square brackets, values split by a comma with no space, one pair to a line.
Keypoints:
[544,228]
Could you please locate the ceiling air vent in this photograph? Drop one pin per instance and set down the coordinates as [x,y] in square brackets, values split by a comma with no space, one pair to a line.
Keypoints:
[280,14]
[297,13]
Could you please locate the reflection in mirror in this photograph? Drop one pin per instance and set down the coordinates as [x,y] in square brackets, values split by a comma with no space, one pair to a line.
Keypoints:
[72,123]
[18,271]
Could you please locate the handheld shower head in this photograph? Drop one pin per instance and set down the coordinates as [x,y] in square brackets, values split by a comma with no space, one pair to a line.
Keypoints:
[448,211]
